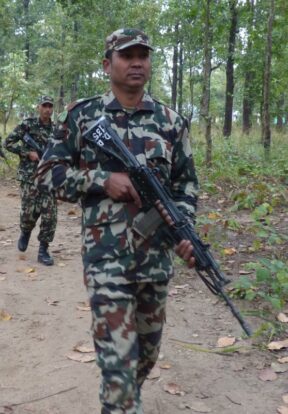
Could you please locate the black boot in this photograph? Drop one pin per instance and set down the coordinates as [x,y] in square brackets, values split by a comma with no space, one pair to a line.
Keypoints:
[23,240]
[43,255]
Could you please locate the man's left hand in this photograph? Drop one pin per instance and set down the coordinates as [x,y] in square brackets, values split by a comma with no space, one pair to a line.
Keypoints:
[185,250]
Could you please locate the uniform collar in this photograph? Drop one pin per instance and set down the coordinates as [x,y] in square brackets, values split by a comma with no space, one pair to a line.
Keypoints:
[111,103]
[41,123]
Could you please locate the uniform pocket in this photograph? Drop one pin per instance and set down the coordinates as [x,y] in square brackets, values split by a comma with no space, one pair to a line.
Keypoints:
[158,150]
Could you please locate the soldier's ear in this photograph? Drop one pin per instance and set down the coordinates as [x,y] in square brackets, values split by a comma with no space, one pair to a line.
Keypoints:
[106,66]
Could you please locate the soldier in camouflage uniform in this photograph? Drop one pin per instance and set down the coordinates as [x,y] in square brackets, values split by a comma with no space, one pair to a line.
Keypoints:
[34,203]
[126,275]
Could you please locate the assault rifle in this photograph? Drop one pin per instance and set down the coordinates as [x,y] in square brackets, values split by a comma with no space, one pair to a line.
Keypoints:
[152,193]
[33,144]
[2,154]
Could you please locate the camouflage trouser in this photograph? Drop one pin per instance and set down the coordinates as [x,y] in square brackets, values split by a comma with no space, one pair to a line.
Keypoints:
[127,322]
[35,204]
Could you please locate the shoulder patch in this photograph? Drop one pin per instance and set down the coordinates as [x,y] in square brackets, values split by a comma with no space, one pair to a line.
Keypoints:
[62,117]
[167,109]
[73,104]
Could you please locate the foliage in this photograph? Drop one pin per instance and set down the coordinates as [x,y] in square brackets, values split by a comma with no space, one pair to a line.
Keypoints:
[62,43]
[270,284]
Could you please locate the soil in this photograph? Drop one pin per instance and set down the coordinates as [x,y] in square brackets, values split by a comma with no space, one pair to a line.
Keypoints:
[44,319]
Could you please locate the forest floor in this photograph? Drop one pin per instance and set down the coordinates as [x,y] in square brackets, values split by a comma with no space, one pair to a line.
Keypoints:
[47,361]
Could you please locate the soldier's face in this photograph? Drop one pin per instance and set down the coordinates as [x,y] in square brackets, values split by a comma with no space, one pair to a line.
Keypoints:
[45,111]
[129,68]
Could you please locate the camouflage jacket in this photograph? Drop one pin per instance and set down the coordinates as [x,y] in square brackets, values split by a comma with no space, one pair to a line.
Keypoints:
[156,135]
[14,143]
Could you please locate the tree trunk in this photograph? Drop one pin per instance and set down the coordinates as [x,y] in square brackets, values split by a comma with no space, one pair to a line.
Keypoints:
[180,80]
[175,70]
[27,36]
[248,101]
[205,99]
[227,128]
[266,130]
[74,85]
[247,108]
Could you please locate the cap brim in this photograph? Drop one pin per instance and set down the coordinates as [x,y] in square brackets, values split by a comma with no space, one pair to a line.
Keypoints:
[130,44]
[41,103]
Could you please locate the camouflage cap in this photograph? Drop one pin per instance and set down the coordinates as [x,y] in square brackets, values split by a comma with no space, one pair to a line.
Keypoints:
[45,99]
[124,38]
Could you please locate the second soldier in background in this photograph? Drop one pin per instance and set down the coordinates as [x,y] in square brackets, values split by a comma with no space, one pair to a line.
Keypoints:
[34,203]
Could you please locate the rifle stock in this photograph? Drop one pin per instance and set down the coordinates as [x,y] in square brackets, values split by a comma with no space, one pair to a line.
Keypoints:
[153,193]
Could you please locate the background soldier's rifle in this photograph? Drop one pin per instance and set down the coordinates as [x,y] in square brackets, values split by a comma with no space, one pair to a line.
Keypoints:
[33,144]
[153,193]
[2,155]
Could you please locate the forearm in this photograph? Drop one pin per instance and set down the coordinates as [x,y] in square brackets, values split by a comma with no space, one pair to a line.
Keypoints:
[14,144]
[68,182]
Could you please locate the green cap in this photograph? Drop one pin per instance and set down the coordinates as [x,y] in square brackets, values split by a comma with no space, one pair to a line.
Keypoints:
[45,99]
[124,38]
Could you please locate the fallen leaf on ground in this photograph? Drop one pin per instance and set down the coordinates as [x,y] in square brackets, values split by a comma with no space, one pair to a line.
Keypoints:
[83,348]
[61,264]
[276,345]
[52,302]
[225,341]
[78,357]
[245,272]
[173,389]
[267,374]
[229,251]
[283,360]
[2,278]
[4,316]
[279,367]
[181,286]
[285,398]
[282,317]
[6,243]
[83,306]
[214,216]
[154,373]
[165,365]
[199,407]
[29,270]
[282,410]
[172,292]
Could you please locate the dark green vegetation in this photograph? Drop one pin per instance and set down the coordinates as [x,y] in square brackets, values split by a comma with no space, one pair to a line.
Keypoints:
[243,214]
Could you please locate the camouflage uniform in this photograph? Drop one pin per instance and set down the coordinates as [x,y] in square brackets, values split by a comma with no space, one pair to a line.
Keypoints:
[126,276]
[33,203]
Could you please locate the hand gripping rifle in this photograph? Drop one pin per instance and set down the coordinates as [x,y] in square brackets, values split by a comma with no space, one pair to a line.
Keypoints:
[33,144]
[154,194]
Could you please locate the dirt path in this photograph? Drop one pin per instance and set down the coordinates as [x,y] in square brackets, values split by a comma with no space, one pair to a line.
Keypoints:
[49,318]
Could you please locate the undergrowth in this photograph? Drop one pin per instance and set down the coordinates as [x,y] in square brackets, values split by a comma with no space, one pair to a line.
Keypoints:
[242,176]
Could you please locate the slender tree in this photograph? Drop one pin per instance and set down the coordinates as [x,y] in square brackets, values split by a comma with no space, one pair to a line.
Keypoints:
[205,99]
[229,95]
[247,105]
[175,67]
[266,129]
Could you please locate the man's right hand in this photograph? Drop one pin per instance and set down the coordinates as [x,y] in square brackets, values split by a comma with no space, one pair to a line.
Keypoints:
[33,156]
[120,188]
